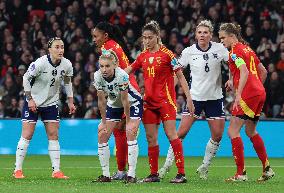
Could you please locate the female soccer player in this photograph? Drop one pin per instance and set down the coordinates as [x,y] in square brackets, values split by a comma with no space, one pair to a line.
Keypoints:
[159,66]
[205,59]
[107,36]
[41,85]
[248,76]
[112,81]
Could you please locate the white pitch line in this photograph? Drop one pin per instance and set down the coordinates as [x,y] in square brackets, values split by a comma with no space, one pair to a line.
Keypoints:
[94,167]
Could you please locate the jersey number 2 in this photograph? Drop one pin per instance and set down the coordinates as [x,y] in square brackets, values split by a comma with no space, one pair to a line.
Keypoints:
[52,82]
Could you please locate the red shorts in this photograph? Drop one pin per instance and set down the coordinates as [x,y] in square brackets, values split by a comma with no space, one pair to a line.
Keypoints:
[154,116]
[251,107]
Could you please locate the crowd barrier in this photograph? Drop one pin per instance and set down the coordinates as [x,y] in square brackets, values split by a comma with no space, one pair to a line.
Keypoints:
[79,137]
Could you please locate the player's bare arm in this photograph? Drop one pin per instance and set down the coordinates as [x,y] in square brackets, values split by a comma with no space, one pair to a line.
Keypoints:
[69,92]
[243,79]
[126,105]
[262,72]
[186,90]
[128,70]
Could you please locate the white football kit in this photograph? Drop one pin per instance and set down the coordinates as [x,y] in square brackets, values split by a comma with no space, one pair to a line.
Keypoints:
[205,69]
[114,87]
[45,79]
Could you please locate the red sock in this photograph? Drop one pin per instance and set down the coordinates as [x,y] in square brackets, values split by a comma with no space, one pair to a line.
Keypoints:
[153,154]
[178,152]
[238,152]
[121,148]
[260,149]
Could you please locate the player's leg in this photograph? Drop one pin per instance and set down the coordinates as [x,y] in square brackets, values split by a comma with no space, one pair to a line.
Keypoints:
[113,117]
[216,121]
[176,144]
[136,111]
[259,147]
[151,123]
[235,126]
[258,144]
[29,120]
[103,149]
[184,127]
[119,134]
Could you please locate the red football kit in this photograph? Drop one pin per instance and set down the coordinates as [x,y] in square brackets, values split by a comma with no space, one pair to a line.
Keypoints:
[158,71]
[253,95]
[123,60]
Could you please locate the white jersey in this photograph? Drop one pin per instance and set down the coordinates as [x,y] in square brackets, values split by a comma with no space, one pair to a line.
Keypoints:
[205,69]
[113,88]
[45,79]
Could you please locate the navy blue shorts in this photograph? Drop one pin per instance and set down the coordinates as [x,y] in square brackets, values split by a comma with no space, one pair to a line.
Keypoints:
[116,114]
[213,109]
[47,114]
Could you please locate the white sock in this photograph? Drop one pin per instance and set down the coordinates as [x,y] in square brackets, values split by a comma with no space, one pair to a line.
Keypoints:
[170,158]
[104,155]
[54,154]
[21,152]
[133,151]
[210,152]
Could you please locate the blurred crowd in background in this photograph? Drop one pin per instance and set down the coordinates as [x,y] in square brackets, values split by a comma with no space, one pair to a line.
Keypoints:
[26,26]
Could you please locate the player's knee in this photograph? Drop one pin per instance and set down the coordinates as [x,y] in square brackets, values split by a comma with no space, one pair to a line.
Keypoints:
[250,133]
[152,140]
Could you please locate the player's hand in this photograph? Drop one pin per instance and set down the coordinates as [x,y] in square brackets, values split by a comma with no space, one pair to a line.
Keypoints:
[229,85]
[72,108]
[237,102]
[190,106]
[32,105]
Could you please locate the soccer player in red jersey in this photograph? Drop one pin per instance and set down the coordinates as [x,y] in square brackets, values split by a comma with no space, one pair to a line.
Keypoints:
[159,66]
[248,76]
[108,37]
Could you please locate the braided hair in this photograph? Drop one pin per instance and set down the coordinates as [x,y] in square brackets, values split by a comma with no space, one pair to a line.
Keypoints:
[115,33]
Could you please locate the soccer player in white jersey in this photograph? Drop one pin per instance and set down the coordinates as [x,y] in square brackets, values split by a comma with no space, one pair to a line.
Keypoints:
[41,85]
[205,60]
[123,98]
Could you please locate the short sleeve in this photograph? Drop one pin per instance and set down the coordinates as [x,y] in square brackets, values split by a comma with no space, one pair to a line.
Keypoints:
[238,58]
[224,53]
[183,60]
[97,81]
[137,64]
[69,69]
[35,68]
[123,82]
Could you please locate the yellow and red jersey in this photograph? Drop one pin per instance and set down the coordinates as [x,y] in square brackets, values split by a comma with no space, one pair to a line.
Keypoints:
[123,60]
[243,54]
[158,71]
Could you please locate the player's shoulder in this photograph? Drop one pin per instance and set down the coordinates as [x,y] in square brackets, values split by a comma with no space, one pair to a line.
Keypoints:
[217,45]
[66,61]
[121,73]
[167,51]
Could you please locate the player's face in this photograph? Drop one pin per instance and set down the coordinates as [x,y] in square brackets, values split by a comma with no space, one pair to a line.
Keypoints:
[99,37]
[203,35]
[107,68]
[57,49]
[150,39]
[225,39]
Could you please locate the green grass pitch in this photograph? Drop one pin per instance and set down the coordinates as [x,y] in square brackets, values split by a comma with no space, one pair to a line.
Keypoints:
[83,169]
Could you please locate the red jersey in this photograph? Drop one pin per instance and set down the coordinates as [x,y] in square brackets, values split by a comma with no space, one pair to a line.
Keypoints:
[158,71]
[243,54]
[123,60]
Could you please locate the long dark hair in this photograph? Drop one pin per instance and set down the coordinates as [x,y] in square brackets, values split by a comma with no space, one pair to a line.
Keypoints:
[115,33]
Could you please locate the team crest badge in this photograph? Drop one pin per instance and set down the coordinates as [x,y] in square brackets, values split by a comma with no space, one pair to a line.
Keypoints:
[151,60]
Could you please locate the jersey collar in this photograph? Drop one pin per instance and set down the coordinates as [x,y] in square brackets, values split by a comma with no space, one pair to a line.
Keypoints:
[197,46]
[49,60]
